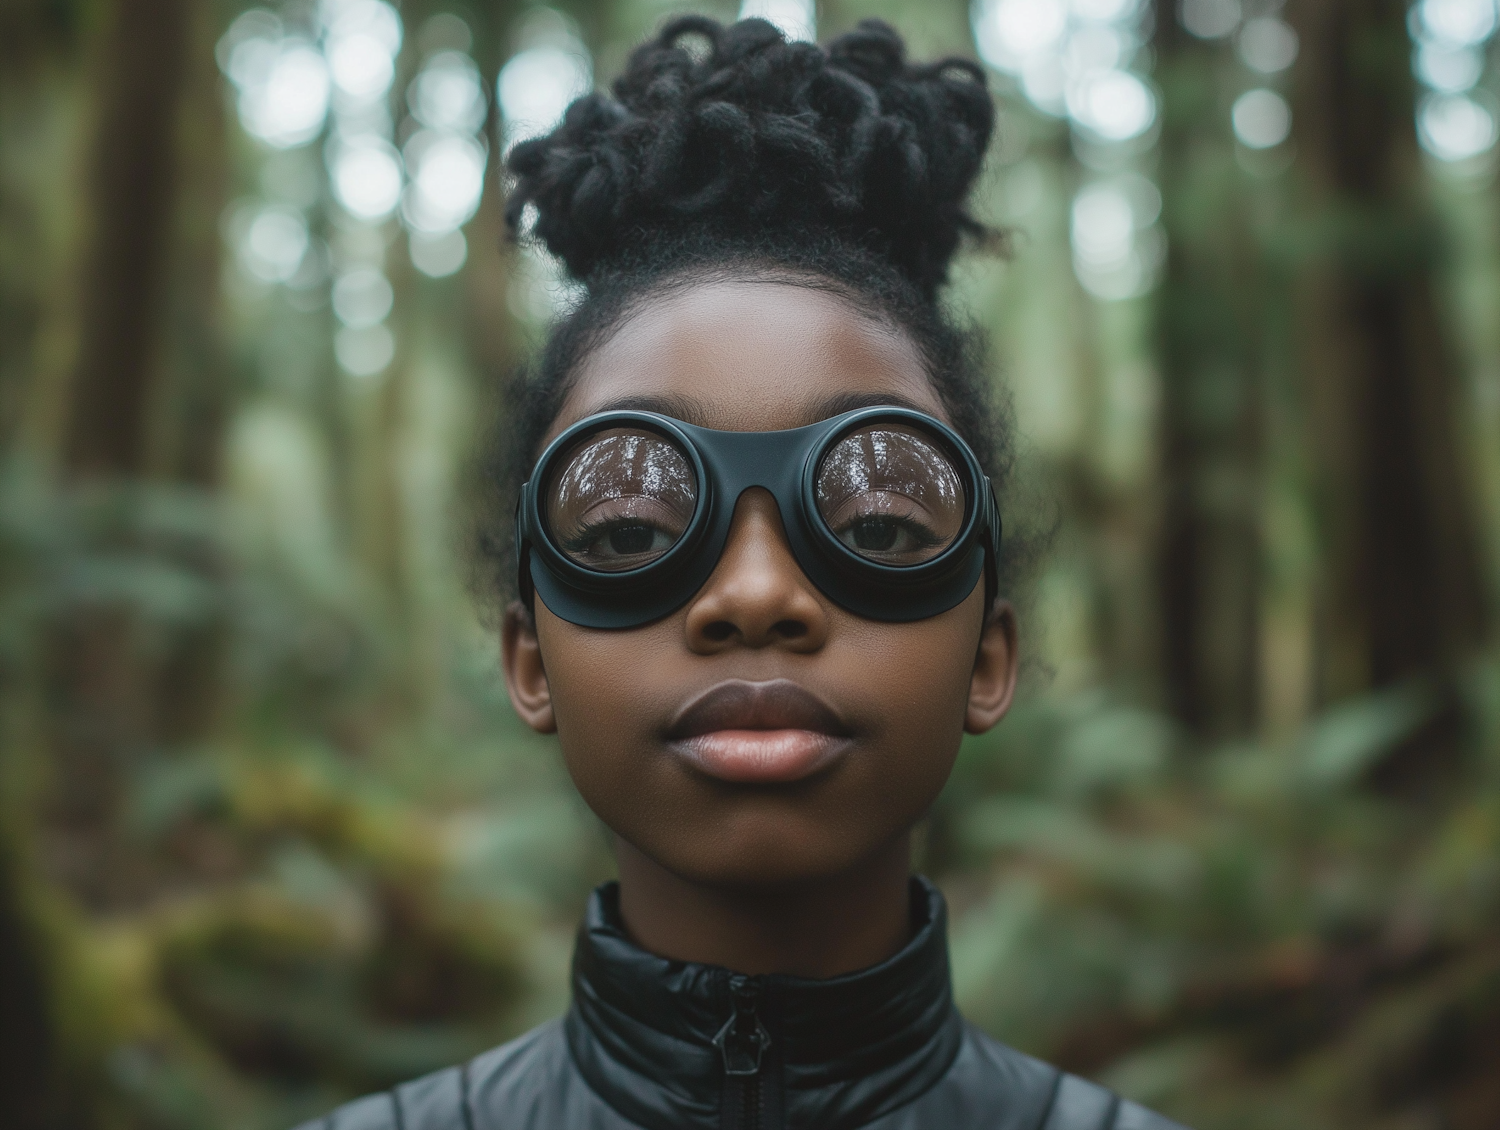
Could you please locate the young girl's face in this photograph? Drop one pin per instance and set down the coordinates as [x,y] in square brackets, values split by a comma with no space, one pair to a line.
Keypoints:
[760,734]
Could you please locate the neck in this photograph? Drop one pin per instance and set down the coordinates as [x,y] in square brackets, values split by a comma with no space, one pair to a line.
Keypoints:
[816,928]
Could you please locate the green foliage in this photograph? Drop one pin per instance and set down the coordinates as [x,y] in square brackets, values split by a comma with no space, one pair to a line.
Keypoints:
[1255,935]
[290,927]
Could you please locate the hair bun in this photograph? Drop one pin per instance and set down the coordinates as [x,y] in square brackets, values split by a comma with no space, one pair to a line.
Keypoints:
[751,136]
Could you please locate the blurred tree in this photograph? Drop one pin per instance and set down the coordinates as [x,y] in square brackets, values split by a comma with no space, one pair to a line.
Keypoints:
[192,397]
[38,44]
[1401,591]
[1207,344]
[28,1069]
[140,65]
[104,703]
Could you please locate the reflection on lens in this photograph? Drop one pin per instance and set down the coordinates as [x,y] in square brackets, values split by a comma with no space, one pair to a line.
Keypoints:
[620,500]
[891,495]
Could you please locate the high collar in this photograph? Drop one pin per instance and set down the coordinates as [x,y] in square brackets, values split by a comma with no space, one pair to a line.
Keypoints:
[841,1051]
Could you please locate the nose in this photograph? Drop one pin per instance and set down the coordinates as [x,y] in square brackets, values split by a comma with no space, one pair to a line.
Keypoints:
[757,595]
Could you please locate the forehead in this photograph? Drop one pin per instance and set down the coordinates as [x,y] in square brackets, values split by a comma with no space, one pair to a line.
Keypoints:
[744,355]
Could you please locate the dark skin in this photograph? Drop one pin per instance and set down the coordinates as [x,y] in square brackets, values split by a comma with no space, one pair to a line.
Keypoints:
[807,877]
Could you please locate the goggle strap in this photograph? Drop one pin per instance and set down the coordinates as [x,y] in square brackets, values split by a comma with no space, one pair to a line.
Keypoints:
[525,590]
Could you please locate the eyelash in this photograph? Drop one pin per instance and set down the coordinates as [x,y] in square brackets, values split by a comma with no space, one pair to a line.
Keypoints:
[920,532]
[591,532]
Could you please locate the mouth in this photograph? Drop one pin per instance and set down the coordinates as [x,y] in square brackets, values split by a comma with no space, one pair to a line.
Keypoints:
[774,732]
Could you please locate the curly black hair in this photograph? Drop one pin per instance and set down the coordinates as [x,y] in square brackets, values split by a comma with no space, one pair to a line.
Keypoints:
[727,152]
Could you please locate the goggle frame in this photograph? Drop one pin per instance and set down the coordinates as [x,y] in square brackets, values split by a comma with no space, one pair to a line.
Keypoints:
[784,463]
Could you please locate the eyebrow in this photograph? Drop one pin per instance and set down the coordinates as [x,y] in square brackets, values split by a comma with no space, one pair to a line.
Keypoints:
[848,401]
[683,408]
[692,411]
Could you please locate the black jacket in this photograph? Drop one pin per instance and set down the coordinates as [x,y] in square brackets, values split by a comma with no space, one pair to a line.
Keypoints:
[665,1045]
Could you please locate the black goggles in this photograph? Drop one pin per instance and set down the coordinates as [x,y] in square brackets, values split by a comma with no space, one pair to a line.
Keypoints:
[626,513]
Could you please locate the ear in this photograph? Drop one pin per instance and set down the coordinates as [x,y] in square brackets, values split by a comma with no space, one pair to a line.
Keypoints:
[525,677]
[993,684]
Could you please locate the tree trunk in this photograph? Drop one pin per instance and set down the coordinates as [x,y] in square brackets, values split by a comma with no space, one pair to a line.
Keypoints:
[102,696]
[132,183]
[1402,591]
[28,1068]
[192,404]
[1208,554]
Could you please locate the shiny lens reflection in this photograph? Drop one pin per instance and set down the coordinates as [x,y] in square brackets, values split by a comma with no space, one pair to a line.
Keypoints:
[891,495]
[620,500]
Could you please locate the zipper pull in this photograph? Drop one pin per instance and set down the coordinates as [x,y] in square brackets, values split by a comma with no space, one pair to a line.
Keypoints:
[743,1039]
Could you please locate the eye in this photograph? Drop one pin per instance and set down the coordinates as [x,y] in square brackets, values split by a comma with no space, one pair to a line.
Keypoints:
[631,539]
[618,545]
[613,540]
[620,500]
[884,530]
[891,495]
[874,535]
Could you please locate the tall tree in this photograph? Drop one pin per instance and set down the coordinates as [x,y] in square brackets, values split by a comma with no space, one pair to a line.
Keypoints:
[1208,552]
[141,66]
[1402,590]
[102,699]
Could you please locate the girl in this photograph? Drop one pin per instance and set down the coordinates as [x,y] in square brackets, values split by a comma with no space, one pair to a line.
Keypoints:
[756,557]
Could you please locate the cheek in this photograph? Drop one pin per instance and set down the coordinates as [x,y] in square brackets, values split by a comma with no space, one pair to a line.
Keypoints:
[913,685]
[602,682]
[610,691]
[917,674]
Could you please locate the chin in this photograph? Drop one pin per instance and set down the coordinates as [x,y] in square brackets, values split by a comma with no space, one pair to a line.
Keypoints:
[772,858]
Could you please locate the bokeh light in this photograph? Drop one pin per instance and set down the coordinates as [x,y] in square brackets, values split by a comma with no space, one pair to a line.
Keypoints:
[1261,118]
[311,276]
[1456,122]
[1117,246]
[1448,70]
[447,172]
[360,67]
[364,351]
[362,39]
[1107,11]
[447,93]
[254,25]
[1011,32]
[366,177]
[1454,23]
[1455,127]
[533,91]
[444,32]
[537,84]
[1103,226]
[438,256]
[1072,59]
[797,19]
[1095,47]
[1267,45]
[274,244]
[1210,19]
[1113,104]
[283,86]
[362,297]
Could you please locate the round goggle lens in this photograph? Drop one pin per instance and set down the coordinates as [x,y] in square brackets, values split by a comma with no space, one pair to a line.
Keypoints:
[620,500]
[891,494]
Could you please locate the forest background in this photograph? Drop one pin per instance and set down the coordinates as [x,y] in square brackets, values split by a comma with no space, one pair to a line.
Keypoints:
[270,835]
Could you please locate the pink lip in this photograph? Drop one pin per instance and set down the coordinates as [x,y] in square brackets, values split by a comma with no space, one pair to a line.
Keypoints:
[759,733]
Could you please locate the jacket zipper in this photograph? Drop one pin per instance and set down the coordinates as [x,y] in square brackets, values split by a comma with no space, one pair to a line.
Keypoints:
[742,1043]
[750,1117]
